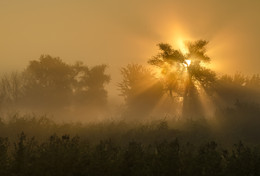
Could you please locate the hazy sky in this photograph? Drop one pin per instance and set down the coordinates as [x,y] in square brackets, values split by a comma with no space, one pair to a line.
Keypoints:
[118,32]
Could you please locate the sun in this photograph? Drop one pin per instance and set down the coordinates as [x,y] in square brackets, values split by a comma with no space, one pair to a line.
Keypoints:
[187,63]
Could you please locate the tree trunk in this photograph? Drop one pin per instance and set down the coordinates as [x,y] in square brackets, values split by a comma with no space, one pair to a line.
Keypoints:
[192,108]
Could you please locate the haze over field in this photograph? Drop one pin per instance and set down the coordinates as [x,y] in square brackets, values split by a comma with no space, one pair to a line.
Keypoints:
[138,87]
[118,33]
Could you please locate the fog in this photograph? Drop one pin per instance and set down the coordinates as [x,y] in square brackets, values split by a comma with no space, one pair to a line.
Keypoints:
[112,87]
[166,87]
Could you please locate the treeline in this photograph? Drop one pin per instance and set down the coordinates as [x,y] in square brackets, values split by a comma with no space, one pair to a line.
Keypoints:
[50,83]
[65,155]
[182,84]
[146,93]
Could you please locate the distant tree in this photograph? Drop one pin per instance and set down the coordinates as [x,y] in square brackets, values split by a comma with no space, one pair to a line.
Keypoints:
[254,82]
[96,81]
[89,83]
[140,89]
[11,89]
[229,89]
[185,73]
[48,81]
[80,88]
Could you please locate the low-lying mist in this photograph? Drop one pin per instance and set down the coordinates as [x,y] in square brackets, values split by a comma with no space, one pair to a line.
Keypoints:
[52,97]
[56,119]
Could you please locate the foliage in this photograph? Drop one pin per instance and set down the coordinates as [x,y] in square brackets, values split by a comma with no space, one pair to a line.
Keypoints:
[184,73]
[65,155]
[140,89]
[230,89]
[119,148]
[174,64]
[88,84]
[50,83]
[11,88]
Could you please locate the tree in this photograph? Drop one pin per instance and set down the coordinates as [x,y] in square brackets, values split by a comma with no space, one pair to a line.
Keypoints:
[140,89]
[89,83]
[48,81]
[11,89]
[238,87]
[184,73]
[52,83]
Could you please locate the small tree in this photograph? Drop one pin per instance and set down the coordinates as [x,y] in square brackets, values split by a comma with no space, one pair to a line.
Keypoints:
[11,89]
[140,89]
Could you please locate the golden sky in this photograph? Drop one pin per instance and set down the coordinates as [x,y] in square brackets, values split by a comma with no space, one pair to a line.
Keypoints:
[118,32]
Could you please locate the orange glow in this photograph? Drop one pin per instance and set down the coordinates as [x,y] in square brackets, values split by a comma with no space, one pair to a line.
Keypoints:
[182,47]
[187,62]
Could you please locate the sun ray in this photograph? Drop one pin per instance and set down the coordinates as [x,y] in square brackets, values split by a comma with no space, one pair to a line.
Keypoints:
[207,103]
[182,47]
[167,106]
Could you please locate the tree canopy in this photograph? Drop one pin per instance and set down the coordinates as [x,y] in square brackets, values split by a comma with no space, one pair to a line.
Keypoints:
[52,83]
[140,89]
[184,73]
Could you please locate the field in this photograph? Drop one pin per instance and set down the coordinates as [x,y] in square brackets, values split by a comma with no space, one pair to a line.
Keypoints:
[35,145]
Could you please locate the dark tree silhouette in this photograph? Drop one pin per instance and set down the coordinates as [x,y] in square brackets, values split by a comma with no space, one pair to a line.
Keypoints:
[51,83]
[184,74]
[48,81]
[89,83]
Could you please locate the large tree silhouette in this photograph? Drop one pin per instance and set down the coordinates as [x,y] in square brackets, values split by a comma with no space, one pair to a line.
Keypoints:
[184,73]
[48,81]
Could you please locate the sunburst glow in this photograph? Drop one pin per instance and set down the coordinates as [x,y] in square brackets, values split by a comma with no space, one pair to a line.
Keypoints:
[182,47]
[187,62]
